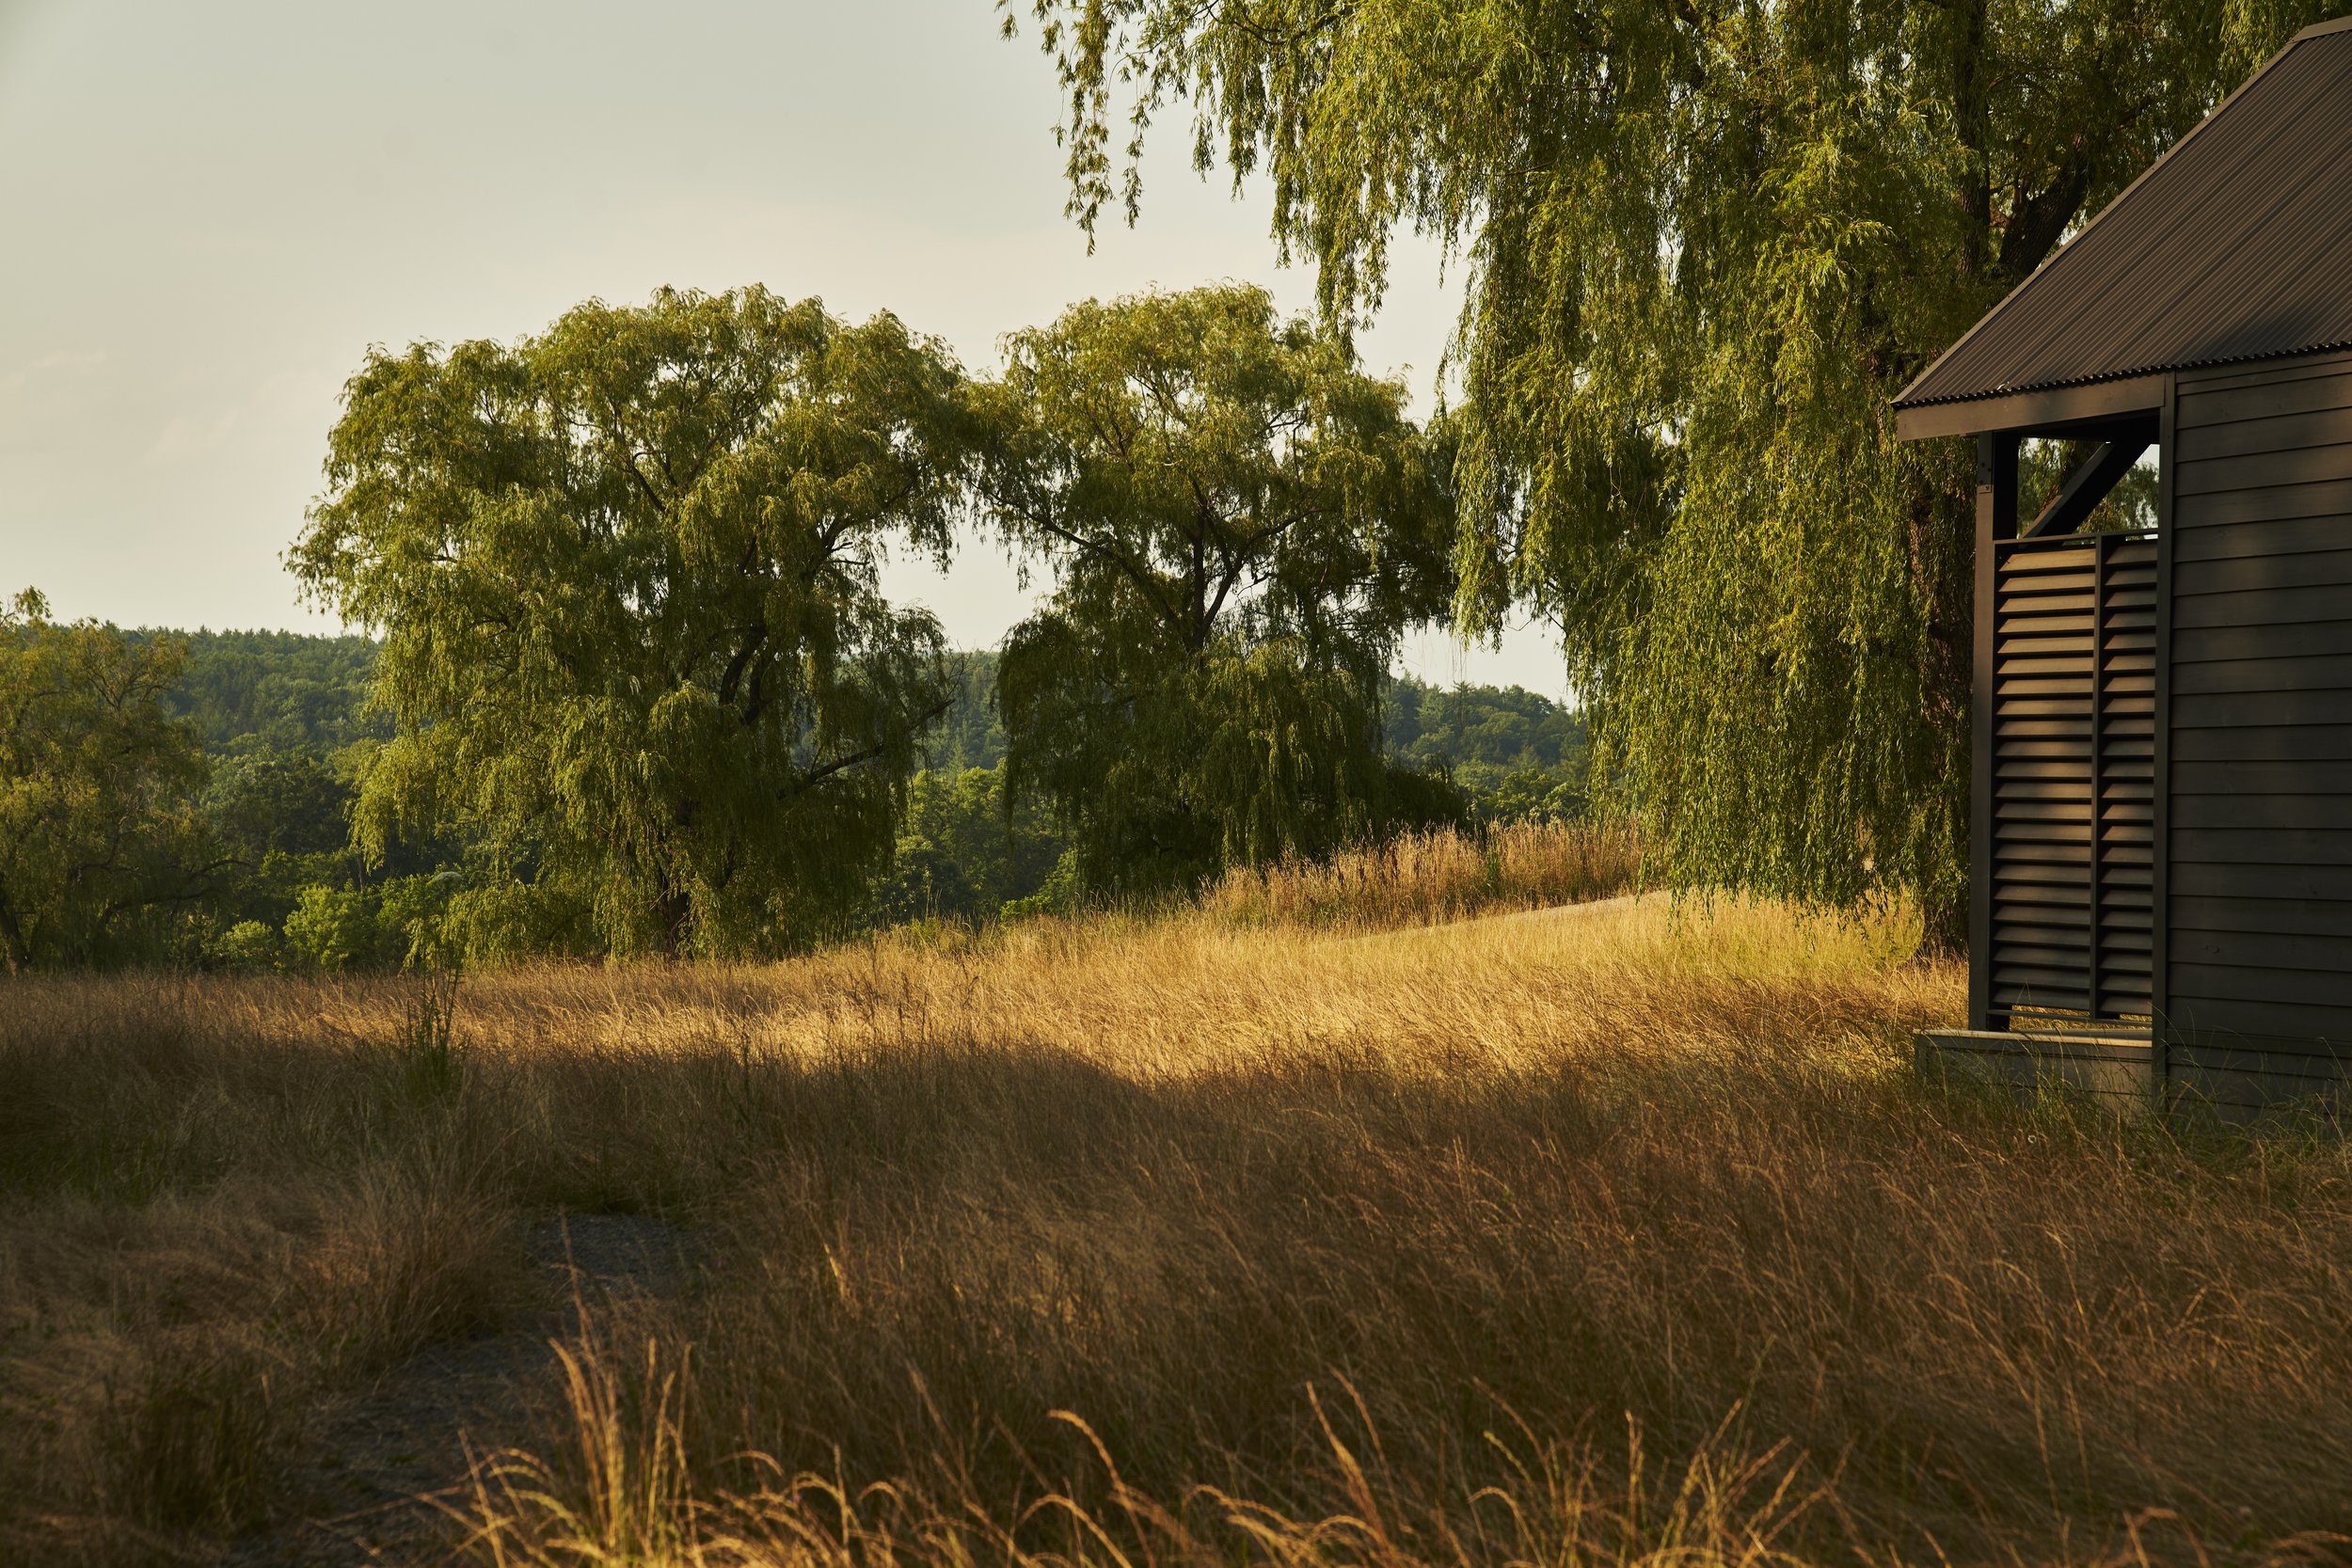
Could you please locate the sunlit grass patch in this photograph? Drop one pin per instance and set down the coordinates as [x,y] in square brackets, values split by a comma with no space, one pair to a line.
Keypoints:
[1188,1239]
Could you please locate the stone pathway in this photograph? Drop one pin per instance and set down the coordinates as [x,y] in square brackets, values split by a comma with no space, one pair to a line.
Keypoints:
[369,1481]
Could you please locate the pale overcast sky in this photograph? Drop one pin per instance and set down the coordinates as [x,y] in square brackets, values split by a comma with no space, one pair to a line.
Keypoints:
[209,210]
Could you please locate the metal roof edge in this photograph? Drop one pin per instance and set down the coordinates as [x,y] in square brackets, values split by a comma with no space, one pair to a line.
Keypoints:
[1921,419]
[2318,29]
[2331,345]
[2069,384]
[2046,407]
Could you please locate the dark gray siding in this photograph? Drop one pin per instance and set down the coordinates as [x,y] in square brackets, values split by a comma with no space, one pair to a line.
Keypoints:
[2259,934]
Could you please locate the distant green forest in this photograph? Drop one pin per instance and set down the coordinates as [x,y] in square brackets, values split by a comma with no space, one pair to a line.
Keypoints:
[285,726]
[256,693]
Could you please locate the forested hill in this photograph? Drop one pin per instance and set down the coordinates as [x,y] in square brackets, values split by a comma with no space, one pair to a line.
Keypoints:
[249,693]
[257,692]
[1494,726]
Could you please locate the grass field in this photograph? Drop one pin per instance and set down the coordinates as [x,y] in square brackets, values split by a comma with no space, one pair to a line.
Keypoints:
[1256,1233]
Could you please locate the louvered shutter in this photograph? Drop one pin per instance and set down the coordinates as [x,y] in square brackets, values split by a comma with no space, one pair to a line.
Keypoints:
[2074,810]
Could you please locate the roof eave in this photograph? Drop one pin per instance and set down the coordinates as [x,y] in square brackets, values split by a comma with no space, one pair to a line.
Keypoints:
[1903,400]
[2045,408]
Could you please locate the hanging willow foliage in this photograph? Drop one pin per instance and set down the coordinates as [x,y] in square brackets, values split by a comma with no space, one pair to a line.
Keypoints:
[1706,242]
[1240,525]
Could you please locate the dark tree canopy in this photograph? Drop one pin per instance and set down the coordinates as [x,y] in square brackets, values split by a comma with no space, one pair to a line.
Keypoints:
[966,849]
[1239,524]
[1706,241]
[626,572]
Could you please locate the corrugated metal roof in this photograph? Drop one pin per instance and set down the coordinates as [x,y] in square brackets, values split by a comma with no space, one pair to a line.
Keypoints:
[2237,245]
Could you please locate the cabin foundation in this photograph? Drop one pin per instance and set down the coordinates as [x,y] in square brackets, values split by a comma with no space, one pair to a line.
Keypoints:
[2114,1073]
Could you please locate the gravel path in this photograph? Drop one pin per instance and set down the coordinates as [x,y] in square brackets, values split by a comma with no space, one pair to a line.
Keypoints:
[371,1478]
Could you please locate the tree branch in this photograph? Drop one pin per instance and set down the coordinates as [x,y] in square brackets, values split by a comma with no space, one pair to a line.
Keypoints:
[841,765]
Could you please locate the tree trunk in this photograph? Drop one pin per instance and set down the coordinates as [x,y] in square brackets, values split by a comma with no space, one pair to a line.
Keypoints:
[675,911]
[13,947]
[1942,927]
[1943,551]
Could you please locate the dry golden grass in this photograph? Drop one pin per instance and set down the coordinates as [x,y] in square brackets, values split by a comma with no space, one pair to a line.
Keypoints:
[1423,879]
[1607,1235]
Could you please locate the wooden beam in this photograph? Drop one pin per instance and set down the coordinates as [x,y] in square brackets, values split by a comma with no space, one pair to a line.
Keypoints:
[2088,485]
[2160,910]
[2051,410]
[1996,521]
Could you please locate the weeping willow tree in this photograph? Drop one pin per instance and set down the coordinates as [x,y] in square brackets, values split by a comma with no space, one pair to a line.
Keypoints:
[628,575]
[1240,525]
[1705,242]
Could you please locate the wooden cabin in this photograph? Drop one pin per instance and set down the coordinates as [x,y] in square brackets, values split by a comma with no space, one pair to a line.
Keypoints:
[2162,879]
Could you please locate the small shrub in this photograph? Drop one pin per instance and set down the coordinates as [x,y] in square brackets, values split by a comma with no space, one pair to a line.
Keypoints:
[248,947]
[335,930]
[431,1065]
[1061,894]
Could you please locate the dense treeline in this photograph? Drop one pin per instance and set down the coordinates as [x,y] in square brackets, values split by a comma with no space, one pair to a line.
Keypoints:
[265,735]
[1519,756]
[101,843]
[627,681]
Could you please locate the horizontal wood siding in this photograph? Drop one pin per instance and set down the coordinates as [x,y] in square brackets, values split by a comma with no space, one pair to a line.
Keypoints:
[2074,798]
[2259,929]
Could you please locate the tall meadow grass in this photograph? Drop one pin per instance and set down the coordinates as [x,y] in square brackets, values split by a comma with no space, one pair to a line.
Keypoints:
[1591,1236]
[1424,878]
